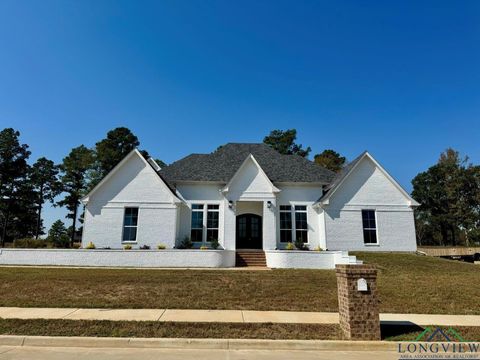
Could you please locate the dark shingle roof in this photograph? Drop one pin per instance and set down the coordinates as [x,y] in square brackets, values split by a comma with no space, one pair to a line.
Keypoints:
[221,165]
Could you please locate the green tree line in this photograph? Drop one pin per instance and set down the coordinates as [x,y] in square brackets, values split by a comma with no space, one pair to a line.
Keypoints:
[25,188]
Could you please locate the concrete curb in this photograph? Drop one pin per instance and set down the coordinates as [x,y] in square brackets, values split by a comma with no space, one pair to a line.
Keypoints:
[176,343]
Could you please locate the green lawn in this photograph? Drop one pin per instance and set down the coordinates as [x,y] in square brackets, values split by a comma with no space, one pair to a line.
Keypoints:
[149,329]
[407,283]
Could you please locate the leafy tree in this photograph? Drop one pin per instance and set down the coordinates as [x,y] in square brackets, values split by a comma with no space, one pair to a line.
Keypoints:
[58,235]
[330,159]
[13,173]
[448,193]
[75,180]
[284,142]
[44,179]
[111,150]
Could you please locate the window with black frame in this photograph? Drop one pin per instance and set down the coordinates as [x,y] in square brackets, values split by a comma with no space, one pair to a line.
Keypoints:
[301,225]
[285,223]
[212,222]
[196,233]
[369,227]
[130,223]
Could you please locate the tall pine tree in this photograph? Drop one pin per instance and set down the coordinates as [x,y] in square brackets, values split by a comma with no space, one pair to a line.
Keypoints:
[44,179]
[13,181]
[75,180]
[284,142]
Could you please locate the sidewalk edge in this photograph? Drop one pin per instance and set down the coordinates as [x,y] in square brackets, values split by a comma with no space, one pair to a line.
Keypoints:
[184,343]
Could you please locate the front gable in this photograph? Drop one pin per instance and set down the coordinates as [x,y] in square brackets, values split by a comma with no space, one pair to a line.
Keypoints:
[250,183]
[133,180]
[367,183]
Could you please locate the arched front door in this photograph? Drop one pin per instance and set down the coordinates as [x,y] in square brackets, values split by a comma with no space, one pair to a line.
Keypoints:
[249,232]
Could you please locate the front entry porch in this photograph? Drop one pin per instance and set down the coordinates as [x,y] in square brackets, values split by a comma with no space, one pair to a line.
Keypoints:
[249,232]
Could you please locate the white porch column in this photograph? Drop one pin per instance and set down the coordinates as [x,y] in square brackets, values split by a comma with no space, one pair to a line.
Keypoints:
[269,225]
[229,230]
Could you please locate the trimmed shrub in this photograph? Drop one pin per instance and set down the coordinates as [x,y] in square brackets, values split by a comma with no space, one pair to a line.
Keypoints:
[300,245]
[90,246]
[144,247]
[214,244]
[127,247]
[203,247]
[161,247]
[186,243]
[290,246]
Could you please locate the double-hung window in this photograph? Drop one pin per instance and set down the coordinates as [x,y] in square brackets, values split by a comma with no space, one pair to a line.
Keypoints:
[196,234]
[369,227]
[301,226]
[293,223]
[130,221]
[205,216]
[285,223]
[212,222]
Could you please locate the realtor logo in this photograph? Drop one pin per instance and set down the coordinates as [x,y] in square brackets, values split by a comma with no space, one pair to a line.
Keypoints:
[438,343]
[438,334]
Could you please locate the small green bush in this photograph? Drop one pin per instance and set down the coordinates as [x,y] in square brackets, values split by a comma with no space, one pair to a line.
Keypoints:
[77,245]
[203,247]
[29,243]
[144,247]
[300,245]
[90,246]
[318,248]
[127,247]
[186,243]
[161,247]
[214,244]
[290,246]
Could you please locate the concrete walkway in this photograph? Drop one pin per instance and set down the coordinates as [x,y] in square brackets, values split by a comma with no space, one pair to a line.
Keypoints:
[235,316]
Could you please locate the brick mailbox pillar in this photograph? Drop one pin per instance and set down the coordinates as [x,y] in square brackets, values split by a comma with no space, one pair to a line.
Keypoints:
[357,301]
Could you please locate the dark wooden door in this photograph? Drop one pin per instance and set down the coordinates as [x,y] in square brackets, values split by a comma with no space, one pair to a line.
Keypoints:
[249,232]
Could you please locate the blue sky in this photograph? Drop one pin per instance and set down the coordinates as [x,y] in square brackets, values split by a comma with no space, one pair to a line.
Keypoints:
[400,79]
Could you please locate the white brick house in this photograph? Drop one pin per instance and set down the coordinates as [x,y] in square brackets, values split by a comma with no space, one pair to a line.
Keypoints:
[249,196]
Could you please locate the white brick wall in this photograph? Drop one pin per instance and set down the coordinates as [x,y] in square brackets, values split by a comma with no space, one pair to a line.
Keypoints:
[368,188]
[135,184]
[292,259]
[302,195]
[120,258]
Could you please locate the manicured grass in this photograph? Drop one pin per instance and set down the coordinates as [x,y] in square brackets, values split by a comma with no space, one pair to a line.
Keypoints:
[174,289]
[407,284]
[420,284]
[148,329]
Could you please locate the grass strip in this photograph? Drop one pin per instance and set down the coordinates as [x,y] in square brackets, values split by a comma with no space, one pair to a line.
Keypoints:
[155,329]
[150,329]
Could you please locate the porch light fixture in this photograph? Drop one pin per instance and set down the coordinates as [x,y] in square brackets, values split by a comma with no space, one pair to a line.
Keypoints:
[230,204]
[269,204]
